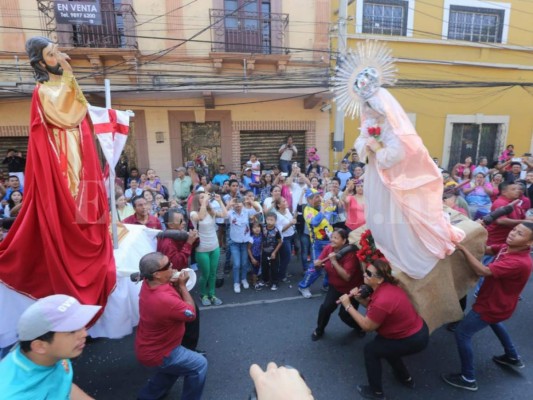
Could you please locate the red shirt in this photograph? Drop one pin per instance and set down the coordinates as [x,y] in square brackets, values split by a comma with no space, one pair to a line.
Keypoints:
[498,233]
[498,296]
[349,263]
[163,315]
[177,251]
[153,222]
[391,308]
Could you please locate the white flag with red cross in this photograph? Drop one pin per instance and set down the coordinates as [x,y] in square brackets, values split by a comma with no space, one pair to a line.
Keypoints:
[111,128]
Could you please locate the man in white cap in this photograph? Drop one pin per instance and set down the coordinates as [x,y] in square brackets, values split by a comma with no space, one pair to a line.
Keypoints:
[51,332]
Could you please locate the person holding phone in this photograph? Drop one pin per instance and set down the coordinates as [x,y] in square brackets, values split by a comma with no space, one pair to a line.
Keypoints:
[286,152]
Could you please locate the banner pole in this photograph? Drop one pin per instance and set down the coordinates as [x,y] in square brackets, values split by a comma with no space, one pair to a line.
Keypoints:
[114,215]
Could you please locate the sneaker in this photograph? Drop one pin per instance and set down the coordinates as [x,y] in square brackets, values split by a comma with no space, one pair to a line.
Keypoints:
[237,287]
[368,393]
[274,287]
[305,292]
[245,284]
[206,301]
[258,287]
[508,361]
[457,380]
[325,288]
[316,335]
[285,280]
[409,382]
[215,301]
[261,283]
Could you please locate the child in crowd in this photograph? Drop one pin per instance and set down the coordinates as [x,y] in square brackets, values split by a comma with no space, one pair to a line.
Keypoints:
[254,253]
[269,256]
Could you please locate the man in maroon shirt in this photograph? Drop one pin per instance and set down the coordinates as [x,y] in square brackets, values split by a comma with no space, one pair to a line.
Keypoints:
[165,306]
[178,252]
[505,278]
[142,215]
[500,228]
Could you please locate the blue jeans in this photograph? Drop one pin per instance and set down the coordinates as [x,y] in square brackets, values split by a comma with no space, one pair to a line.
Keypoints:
[285,166]
[227,262]
[180,362]
[312,274]
[239,253]
[285,256]
[305,246]
[466,329]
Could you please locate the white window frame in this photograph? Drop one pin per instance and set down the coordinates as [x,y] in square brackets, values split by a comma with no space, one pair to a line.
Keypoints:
[479,119]
[410,17]
[506,7]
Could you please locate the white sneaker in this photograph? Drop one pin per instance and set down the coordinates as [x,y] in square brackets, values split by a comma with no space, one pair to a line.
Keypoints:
[237,287]
[245,284]
[305,292]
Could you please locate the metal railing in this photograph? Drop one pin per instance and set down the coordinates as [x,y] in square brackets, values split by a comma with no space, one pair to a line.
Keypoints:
[117,30]
[248,32]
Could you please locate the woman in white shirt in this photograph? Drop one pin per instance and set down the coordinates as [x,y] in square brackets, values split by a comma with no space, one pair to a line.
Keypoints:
[285,224]
[239,233]
[124,209]
[275,193]
[208,251]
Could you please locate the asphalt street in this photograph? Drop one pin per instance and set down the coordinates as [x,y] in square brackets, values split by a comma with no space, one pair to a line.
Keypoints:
[258,327]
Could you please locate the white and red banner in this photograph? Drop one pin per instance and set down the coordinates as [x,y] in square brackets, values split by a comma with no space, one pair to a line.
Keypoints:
[111,128]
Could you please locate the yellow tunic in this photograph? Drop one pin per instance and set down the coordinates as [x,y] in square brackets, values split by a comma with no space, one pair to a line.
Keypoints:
[65,107]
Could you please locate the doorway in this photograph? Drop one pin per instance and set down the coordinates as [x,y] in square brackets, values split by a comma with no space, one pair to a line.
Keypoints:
[201,140]
[474,140]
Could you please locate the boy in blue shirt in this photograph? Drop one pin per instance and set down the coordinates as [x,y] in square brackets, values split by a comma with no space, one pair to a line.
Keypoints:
[51,331]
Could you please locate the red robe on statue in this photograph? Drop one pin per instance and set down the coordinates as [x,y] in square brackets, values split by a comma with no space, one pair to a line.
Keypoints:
[60,244]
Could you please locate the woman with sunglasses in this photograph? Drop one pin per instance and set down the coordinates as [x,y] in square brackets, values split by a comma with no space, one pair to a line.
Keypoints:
[400,330]
[343,274]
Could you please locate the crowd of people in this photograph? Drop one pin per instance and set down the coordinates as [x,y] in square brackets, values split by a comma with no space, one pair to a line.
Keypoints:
[250,225]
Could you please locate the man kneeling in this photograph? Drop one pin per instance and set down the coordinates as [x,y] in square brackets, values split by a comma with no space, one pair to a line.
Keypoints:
[165,305]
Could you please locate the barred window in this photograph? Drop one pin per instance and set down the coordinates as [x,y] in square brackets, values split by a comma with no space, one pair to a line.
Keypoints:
[385,17]
[475,24]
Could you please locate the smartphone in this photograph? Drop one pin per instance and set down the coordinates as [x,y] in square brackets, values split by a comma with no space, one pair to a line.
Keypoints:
[164,204]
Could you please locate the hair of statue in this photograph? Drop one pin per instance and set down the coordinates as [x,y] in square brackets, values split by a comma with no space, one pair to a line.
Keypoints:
[34,49]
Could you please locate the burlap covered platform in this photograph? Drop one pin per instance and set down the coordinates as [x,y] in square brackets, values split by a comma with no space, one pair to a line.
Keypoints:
[436,296]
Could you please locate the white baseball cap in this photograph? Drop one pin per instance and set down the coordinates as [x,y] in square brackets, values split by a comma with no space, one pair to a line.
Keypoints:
[56,313]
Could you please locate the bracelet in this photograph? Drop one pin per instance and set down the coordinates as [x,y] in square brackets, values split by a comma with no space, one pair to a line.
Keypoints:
[347,308]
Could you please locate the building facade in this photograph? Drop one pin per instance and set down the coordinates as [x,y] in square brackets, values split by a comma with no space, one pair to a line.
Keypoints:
[465,70]
[218,78]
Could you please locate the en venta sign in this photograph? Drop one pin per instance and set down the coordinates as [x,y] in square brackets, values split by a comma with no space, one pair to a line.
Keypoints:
[78,12]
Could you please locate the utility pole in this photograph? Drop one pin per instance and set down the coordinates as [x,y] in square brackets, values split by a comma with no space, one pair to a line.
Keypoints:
[338,134]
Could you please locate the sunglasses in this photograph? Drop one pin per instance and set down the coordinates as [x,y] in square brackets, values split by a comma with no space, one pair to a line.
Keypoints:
[370,274]
[167,266]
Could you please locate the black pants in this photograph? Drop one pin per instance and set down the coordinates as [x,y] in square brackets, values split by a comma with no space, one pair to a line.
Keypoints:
[192,332]
[270,268]
[392,350]
[329,306]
